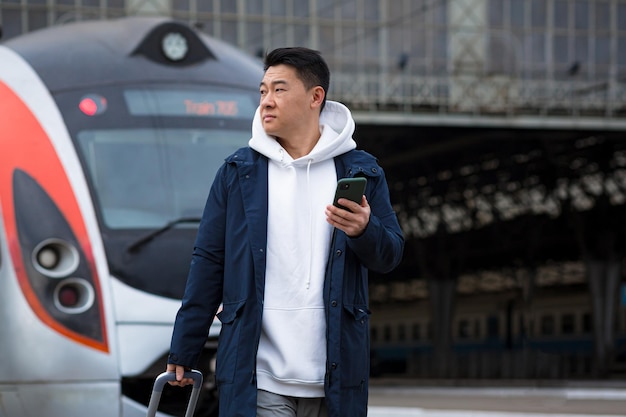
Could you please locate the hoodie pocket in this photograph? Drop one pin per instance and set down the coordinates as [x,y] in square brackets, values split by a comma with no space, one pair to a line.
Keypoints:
[228,346]
[355,345]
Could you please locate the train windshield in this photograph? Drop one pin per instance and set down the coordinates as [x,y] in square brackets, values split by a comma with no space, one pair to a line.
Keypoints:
[150,153]
[148,177]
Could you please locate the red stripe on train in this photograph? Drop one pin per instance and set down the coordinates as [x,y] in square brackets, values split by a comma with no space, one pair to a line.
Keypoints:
[25,145]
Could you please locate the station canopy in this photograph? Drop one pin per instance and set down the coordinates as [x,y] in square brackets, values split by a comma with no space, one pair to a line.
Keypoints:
[472,200]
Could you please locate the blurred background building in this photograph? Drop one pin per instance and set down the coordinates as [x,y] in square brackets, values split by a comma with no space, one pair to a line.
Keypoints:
[501,125]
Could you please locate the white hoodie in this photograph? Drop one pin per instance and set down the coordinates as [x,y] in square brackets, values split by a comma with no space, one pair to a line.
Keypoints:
[291,359]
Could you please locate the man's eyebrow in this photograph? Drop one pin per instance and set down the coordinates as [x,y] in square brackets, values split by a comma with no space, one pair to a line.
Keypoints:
[275,82]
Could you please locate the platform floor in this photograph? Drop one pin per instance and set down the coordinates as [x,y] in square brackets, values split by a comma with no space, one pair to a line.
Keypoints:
[404,400]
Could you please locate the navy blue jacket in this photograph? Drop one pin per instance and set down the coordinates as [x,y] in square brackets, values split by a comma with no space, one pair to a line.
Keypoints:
[228,267]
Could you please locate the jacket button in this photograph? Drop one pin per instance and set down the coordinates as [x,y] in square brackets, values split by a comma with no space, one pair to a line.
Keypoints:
[333,303]
[338,253]
[333,365]
[374,170]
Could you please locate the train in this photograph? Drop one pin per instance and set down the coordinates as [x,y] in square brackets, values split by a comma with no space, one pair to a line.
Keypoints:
[111,132]
[497,335]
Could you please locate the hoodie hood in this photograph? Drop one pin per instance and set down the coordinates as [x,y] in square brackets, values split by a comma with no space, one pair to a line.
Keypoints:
[336,128]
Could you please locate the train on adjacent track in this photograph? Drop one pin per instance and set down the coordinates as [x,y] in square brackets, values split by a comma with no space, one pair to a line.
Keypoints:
[110,135]
[497,336]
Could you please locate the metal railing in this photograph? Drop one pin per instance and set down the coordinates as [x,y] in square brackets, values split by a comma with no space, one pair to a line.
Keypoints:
[486,96]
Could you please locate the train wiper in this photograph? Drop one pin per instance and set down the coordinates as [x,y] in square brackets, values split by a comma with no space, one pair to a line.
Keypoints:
[139,243]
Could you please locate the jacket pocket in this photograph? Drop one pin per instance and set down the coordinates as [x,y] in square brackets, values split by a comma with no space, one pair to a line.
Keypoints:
[228,345]
[355,344]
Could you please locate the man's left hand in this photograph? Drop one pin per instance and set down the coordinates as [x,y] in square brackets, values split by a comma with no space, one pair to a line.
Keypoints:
[352,221]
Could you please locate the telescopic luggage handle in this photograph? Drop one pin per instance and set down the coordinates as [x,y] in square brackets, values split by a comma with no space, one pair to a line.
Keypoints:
[160,381]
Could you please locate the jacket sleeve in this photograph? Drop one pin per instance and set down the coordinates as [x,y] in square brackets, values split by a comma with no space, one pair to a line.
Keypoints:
[203,291]
[381,245]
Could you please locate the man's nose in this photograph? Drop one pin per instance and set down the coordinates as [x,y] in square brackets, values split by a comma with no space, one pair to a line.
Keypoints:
[267,100]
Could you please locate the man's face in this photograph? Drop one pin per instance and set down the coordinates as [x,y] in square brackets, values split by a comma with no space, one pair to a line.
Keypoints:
[285,102]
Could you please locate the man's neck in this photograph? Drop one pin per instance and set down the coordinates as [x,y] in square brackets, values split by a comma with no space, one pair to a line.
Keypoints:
[299,147]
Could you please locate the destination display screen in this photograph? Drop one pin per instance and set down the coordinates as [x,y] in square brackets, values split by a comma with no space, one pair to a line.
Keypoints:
[187,103]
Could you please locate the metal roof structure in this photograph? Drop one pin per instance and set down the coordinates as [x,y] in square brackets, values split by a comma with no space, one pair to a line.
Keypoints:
[475,200]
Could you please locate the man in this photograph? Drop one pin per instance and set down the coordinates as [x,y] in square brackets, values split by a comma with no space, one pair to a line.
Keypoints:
[289,268]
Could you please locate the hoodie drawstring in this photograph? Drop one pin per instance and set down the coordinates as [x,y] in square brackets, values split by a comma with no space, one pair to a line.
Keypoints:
[308,186]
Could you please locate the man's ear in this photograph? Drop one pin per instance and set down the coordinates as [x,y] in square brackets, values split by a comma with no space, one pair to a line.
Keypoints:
[317,96]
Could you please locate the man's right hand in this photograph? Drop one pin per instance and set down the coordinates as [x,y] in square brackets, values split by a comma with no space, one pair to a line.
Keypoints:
[180,371]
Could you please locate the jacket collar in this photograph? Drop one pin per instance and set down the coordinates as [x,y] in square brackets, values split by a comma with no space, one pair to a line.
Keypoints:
[357,163]
[350,164]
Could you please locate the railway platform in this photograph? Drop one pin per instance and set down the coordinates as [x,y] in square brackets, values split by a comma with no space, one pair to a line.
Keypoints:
[390,398]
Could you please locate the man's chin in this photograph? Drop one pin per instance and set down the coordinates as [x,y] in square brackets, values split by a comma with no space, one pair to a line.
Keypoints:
[269,131]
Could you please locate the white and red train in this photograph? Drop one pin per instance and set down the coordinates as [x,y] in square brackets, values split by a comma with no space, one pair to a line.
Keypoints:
[110,134]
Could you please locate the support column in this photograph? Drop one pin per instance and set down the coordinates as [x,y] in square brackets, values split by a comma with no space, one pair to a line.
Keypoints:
[441,260]
[467,50]
[442,298]
[475,86]
[604,279]
[598,240]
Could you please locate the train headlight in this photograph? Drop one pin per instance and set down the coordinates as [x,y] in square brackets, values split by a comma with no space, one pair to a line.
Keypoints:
[48,258]
[174,46]
[55,258]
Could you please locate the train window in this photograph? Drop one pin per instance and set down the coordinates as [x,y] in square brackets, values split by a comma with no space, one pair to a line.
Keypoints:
[587,323]
[142,176]
[416,331]
[568,324]
[464,331]
[547,325]
[531,327]
[493,327]
[374,334]
[387,333]
[401,332]
[478,328]
[522,326]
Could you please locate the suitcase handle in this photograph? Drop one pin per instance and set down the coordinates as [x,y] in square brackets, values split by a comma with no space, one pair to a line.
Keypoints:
[159,383]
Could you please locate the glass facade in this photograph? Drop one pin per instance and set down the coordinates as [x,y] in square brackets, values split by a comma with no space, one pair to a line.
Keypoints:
[543,57]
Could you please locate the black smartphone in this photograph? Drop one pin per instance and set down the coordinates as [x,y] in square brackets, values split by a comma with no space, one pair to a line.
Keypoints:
[350,188]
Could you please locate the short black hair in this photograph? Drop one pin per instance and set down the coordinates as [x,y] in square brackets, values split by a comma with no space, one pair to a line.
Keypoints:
[310,67]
